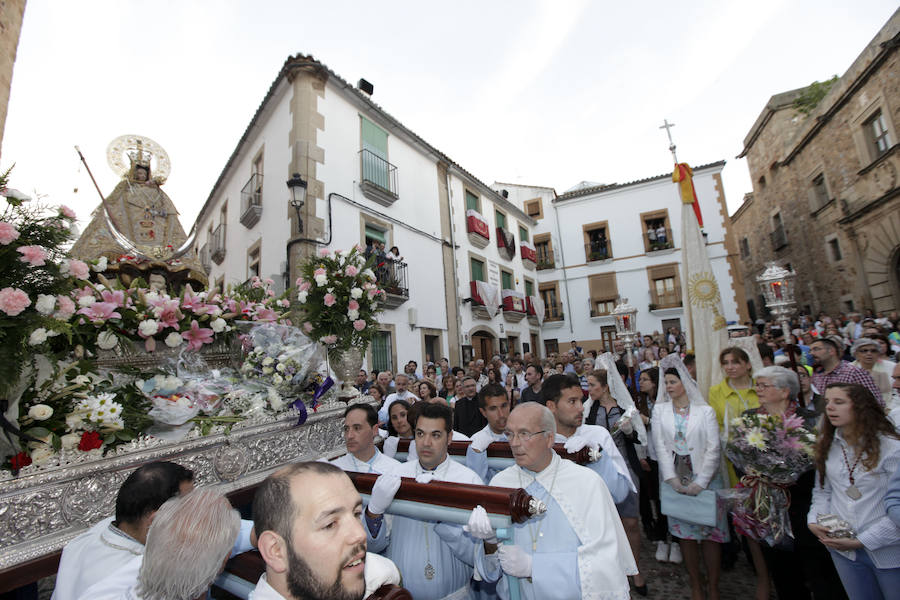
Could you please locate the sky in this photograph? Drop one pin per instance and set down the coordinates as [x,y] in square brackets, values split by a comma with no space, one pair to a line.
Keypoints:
[533,92]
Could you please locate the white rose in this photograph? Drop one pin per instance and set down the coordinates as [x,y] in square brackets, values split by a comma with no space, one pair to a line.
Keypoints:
[74,422]
[40,412]
[41,456]
[70,440]
[267,370]
[101,265]
[45,304]
[148,327]
[280,367]
[86,301]
[38,336]
[277,379]
[267,361]
[368,274]
[353,314]
[173,340]
[356,293]
[321,279]
[218,325]
[107,340]
[301,297]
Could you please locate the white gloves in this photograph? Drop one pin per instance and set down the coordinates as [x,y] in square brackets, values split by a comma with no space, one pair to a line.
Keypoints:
[625,426]
[390,446]
[577,442]
[424,477]
[480,441]
[515,561]
[676,484]
[479,526]
[693,489]
[383,493]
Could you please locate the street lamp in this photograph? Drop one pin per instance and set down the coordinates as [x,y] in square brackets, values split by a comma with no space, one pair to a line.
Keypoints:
[626,330]
[777,286]
[298,197]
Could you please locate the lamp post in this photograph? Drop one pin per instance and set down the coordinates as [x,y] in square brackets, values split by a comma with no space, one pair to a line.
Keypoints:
[626,330]
[777,286]
[298,197]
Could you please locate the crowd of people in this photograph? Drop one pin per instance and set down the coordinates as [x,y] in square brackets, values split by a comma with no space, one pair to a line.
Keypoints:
[655,441]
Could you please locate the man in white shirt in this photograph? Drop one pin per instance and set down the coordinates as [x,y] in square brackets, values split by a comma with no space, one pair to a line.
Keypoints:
[360,430]
[401,382]
[201,525]
[493,403]
[435,559]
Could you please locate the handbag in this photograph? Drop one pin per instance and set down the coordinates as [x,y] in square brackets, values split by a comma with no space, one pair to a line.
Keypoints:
[701,509]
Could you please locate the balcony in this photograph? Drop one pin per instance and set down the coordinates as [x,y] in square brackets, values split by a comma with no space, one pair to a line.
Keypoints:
[597,251]
[391,276]
[251,201]
[479,308]
[204,258]
[477,228]
[553,313]
[379,178]
[218,244]
[665,302]
[656,242]
[779,238]
[530,311]
[514,309]
[529,256]
[545,261]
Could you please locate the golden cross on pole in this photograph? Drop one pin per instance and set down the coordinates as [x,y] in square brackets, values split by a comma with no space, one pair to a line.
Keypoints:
[668,127]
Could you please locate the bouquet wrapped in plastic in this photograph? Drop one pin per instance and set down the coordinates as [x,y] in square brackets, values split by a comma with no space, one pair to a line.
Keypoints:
[773,452]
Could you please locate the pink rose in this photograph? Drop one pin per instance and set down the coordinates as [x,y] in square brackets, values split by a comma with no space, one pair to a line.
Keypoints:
[330,300]
[66,211]
[8,233]
[307,327]
[78,269]
[329,339]
[303,286]
[324,252]
[13,301]
[33,255]
[359,324]
[66,307]
[351,271]
[353,305]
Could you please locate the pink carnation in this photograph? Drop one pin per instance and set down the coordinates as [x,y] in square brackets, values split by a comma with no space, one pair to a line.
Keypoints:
[324,252]
[353,305]
[330,300]
[351,271]
[8,233]
[359,324]
[13,301]
[329,339]
[33,255]
[66,307]
[307,327]
[320,271]
[66,211]
[78,269]
[303,285]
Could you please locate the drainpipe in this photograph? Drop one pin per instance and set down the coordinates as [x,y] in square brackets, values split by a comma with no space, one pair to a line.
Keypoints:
[453,254]
[562,259]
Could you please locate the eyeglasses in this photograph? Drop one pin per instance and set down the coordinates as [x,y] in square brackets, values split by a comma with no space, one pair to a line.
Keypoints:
[764,386]
[868,351]
[525,436]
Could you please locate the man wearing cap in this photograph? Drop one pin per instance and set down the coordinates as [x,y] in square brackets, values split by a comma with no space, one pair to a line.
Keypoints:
[867,353]
[831,369]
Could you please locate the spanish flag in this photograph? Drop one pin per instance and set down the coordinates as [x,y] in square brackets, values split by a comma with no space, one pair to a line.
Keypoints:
[683,176]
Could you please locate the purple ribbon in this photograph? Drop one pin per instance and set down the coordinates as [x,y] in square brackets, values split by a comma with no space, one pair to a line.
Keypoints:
[301,408]
[320,390]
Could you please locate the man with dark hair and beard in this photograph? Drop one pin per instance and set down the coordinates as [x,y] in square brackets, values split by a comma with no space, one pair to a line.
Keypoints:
[310,534]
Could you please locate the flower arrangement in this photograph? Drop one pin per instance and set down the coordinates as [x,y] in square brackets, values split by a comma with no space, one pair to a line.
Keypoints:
[338,299]
[773,452]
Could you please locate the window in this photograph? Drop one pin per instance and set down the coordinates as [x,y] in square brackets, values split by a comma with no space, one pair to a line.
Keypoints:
[819,197]
[381,351]
[543,248]
[375,165]
[608,334]
[477,268]
[745,248]
[506,279]
[534,208]
[876,132]
[529,287]
[552,307]
[501,219]
[604,293]
[374,234]
[779,236]
[834,249]
[432,346]
[253,261]
[596,241]
[551,347]
[473,202]
[665,289]
[762,182]
[523,234]
[257,168]
[656,230]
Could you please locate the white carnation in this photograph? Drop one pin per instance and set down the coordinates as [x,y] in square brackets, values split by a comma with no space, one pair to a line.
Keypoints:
[321,279]
[107,340]
[173,340]
[301,297]
[41,456]
[101,265]
[70,440]
[40,412]
[38,336]
[218,325]
[353,314]
[74,422]
[356,293]
[148,327]
[86,301]
[45,304]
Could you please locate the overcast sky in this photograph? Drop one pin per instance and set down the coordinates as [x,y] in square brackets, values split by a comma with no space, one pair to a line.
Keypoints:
[536,92]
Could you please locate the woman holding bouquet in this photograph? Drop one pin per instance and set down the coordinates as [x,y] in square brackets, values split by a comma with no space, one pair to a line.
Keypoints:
[857,453]
[734,394]
[686,437]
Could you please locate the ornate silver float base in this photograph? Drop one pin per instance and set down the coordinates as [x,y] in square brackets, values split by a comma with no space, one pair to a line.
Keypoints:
[45,507]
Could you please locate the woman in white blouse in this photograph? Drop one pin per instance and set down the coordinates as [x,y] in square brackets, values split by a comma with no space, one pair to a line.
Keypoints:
[686,436]
[857,452]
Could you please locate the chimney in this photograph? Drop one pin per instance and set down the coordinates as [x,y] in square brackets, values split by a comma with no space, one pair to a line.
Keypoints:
[365,87]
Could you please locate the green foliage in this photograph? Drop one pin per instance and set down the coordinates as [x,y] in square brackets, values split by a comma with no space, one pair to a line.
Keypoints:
[813,94]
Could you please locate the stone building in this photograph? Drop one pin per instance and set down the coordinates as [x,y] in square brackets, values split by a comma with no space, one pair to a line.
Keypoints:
[825,188]
[11,13]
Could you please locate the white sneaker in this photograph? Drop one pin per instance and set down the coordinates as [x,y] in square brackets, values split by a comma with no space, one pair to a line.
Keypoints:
[662,552]
[675,554]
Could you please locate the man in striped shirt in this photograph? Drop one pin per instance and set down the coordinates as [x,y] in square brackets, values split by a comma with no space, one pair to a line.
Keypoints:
[830,368]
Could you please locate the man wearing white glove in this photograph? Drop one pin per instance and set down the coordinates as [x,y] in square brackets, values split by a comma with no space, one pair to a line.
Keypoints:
[562,395]
[435,559]
[494,405]
[360,430]
[577,548]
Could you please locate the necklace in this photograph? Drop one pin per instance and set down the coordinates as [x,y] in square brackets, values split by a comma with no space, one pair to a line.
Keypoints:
[429,570]
[536,534]
[852,491]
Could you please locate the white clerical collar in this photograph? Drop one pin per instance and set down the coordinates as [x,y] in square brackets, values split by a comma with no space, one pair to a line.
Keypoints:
[438,472]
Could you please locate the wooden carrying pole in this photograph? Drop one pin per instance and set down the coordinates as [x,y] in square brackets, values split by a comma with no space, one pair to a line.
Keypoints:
[502,450]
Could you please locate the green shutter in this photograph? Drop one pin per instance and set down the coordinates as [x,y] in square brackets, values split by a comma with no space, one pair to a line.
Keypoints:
[523,234]
[471,201]
[374,138]
[501,219]
[381,351]
[507,280]
[477,270]
[529,288]
[375,234]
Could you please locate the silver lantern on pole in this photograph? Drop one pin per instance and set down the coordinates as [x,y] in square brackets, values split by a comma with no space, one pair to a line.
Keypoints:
[777,286]
[626,330]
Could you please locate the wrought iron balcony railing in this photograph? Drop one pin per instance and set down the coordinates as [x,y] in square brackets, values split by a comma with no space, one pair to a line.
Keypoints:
[379,177]
[218,244]
[251,200]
